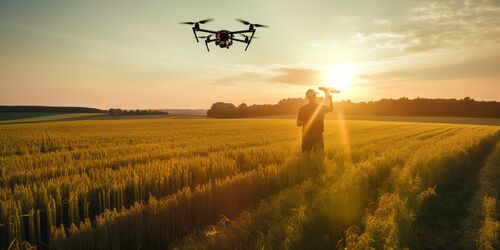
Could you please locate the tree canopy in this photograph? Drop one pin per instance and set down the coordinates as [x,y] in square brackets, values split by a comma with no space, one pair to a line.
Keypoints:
[466,107]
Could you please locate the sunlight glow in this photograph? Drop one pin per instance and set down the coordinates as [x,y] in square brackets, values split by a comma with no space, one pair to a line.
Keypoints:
[340,75]
[344,137]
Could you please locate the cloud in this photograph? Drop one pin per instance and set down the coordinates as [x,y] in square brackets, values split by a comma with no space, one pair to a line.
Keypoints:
[437,24]
[478,68]
[381,21]
[382,40]
[296,76]
[274,74]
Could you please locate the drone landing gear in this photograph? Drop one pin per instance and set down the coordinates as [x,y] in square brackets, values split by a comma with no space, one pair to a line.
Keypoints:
[196,36]
[250,40]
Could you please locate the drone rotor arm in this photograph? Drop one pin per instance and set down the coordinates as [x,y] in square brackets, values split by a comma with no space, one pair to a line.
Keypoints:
[241,31]
[239,40]
[206,31]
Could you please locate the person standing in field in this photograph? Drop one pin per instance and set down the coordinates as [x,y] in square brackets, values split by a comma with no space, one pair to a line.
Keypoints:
[310,118]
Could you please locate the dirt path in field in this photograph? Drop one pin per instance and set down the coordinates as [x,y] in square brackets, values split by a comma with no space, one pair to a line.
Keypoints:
[439,224]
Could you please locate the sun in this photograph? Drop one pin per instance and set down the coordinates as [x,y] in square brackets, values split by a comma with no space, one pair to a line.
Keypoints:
[339,76]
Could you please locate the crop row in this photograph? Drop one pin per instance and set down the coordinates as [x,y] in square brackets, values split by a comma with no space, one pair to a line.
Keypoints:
[158,223]
[482,226]
[94,179]
[390,223]
[60,178]
[226,203]
[316,214]
[68,200]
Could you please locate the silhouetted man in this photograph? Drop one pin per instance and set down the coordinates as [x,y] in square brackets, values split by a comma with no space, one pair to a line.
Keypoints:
[311,117]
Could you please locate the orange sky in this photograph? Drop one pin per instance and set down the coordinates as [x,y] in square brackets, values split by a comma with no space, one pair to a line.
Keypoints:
[130,54]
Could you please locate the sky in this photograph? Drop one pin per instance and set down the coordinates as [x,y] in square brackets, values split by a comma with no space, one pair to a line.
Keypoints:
[135,54]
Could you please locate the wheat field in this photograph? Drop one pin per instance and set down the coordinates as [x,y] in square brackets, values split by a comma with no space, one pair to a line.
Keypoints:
[243,184]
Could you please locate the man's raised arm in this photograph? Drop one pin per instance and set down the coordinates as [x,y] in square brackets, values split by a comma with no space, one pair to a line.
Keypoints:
[329,106]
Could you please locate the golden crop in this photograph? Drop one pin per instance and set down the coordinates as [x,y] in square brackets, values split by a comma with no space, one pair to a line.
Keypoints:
[129,184]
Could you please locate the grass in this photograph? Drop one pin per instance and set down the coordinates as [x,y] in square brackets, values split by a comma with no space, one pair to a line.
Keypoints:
[242,183]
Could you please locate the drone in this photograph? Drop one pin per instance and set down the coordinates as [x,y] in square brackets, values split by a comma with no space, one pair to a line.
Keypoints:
[225,38]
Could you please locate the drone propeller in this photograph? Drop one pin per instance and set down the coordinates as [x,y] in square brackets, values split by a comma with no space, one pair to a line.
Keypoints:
[206,20]
[261,25]
[201,21]
[254,24]
[243,21]
[205,36]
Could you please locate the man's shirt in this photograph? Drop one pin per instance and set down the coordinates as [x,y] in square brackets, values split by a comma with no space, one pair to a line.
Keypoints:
[311,116]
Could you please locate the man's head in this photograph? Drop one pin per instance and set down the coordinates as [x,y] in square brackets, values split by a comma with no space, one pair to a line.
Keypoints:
[311,95]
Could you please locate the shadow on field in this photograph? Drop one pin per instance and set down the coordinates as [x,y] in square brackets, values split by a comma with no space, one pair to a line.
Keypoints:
[439,224]
[9,116]
[36,117]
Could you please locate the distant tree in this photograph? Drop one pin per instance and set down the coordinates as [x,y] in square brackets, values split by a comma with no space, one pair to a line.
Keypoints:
[242,110]
[222,110]
[404,106]
[136,112]
[116,111]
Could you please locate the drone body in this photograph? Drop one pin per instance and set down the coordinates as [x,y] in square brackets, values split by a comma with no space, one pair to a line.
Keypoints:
[225,38]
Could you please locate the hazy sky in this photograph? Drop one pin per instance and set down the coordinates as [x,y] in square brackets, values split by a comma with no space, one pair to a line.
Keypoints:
[134,54]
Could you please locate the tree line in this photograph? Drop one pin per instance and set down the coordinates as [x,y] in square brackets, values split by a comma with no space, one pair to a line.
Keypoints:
[466,107]
[136,112]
